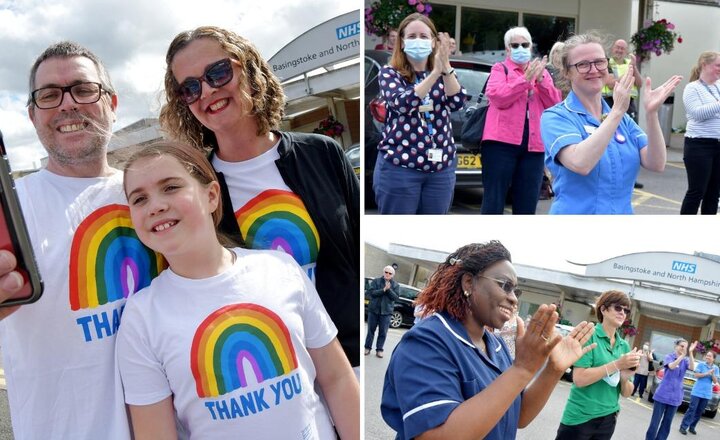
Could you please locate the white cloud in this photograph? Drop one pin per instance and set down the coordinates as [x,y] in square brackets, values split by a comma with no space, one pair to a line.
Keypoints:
[131,37]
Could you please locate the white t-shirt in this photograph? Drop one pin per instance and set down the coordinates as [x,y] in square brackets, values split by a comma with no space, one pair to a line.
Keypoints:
[269,214]
[231,350]
[59,352]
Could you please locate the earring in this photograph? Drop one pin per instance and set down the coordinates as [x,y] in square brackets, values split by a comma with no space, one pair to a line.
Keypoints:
[467,294]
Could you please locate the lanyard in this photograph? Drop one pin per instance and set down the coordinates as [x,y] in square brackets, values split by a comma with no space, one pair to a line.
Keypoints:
[425,116]
[717,98]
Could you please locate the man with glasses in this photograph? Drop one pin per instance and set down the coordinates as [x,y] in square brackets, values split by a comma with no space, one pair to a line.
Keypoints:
[619,64]
[383,293]
[59,351]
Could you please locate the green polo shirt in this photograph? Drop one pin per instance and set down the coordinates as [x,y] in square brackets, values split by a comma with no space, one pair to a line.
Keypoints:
[598,399]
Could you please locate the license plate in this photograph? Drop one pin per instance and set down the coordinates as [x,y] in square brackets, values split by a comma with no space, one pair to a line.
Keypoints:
[689,382]
[468,161]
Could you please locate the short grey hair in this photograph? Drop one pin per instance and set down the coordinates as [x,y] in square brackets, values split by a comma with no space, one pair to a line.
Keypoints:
[69,49]
[518,31]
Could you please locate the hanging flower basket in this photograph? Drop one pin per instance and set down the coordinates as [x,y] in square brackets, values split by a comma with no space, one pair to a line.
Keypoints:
[657,37]
[709,345]
[383,15]
[330,127]
[628,329]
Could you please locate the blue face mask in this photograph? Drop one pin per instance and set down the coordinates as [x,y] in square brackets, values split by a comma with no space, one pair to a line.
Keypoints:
[520,55]
[417,49]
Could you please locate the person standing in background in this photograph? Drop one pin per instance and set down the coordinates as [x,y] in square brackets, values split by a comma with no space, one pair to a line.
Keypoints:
[669,394]
[643,370]
[701,153]
[706,374]
[388,41]
[619,64]
[519,90]
[383,294]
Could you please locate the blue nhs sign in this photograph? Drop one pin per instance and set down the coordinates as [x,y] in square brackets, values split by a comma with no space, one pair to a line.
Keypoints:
[348,30]
[681,266]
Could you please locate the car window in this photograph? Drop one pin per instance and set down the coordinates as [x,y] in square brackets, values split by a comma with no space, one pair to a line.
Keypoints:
[372,70]
[472,80]
[406,292]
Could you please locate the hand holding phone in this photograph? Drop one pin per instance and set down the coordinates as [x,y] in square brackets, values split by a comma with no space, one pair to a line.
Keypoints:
[14,239]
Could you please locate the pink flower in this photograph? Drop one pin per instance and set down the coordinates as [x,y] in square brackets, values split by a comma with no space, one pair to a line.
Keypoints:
[680,40]
[670,26]
[412,2]
[420,7]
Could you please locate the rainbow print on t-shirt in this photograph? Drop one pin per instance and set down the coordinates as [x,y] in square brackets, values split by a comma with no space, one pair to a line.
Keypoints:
[237,345]
[277,219]
[107,260]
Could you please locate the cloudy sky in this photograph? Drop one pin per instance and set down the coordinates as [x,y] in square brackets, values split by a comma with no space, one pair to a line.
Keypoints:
[131,37]
[549,241]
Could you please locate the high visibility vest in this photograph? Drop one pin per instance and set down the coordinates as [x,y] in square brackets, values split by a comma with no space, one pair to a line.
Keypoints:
[618,70]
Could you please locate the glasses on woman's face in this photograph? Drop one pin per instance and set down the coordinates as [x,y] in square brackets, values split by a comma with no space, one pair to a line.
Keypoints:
[216,75]
[618,308]
[507,286]
[516,45]
[585,66]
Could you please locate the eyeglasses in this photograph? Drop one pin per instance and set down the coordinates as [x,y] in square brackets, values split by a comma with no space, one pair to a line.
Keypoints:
[584,66]
[619,308]
[82,93]
[388,273]
[216,75]
[507,286]
[516,45]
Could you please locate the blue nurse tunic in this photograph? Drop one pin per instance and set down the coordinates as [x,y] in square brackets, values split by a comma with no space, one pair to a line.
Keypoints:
[608,188]
[434,369]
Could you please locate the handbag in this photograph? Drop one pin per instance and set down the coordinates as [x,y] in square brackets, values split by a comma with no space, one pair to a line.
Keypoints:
[472,131]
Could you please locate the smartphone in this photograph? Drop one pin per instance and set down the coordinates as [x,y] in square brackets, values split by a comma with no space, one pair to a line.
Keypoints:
[14,237]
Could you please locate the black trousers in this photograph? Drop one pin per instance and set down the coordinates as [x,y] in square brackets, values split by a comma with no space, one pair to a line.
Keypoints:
[600,428]
[702,164]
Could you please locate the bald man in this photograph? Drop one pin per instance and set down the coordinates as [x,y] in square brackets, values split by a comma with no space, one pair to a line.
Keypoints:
[383,293]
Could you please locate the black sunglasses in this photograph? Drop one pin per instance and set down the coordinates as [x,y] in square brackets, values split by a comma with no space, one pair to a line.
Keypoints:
[216,75]
[619,308]
[507,286]
[516,45]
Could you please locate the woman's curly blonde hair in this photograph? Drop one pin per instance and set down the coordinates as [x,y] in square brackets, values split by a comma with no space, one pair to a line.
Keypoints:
[266,99]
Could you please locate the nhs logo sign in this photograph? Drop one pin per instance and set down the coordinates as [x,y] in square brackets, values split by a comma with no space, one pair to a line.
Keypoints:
[348,31]
[681,266]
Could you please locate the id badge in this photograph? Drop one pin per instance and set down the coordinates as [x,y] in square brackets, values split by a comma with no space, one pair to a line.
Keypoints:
[425,108]
[435,154]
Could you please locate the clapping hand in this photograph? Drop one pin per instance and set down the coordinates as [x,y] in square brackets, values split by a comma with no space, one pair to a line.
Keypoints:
[621,92]
[655,97]
[442,53]
[534,345]
[571,348]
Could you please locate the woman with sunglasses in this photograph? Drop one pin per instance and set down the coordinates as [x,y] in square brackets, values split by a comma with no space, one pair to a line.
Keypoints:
[594,152]
[290,191]
[669,394]
[449,378]
[602,375]
[519,90]
[415,165]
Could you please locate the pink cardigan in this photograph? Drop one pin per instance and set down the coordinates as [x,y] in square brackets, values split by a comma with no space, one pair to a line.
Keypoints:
[508,98]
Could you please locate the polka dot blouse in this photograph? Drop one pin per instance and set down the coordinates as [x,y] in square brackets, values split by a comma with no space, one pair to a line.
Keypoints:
[405,140]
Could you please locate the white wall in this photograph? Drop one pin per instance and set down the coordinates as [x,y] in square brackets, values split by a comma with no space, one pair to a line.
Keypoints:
[699,28]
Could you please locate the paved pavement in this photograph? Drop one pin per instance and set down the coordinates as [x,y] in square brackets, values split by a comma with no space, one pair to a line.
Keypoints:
[632,422]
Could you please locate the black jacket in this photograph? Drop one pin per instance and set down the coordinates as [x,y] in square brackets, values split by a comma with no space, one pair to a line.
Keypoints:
[382,301]
[315,168]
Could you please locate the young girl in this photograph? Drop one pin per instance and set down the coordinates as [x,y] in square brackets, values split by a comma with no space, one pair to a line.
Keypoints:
[232,340]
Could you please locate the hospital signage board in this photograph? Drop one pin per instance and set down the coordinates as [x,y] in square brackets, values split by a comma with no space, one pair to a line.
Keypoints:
[674,269]
[324,45]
